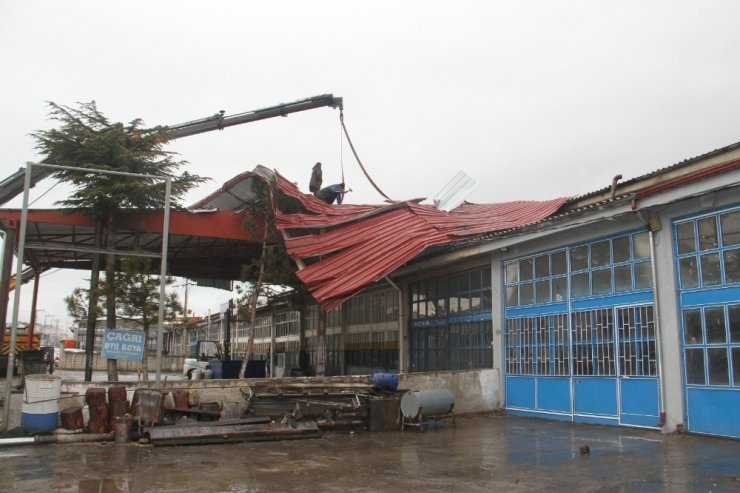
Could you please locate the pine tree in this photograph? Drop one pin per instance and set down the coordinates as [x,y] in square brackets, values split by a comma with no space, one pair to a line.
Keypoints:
[85,138]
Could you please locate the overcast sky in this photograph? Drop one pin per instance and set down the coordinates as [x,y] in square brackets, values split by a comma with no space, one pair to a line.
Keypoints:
[532,99]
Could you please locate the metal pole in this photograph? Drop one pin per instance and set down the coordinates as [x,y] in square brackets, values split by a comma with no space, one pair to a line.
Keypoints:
[17,299]
[32,325]
[401,348]
[162,279]
[9,237]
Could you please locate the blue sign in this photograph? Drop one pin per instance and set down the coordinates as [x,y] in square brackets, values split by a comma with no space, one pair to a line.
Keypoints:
[123,344]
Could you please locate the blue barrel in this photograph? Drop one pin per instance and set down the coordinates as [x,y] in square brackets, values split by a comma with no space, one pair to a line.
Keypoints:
[385,381]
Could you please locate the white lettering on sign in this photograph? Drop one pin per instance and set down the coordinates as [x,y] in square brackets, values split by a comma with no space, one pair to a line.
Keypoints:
[125,337]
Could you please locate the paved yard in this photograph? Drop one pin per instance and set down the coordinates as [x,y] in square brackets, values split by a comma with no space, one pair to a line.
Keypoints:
[480,453]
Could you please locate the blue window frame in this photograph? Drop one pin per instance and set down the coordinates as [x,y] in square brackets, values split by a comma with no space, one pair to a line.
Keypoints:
[708,268]
[585,309]
[450,326]
[537,345]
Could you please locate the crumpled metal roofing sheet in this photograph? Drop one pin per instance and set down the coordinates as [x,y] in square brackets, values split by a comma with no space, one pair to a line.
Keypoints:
[348,247]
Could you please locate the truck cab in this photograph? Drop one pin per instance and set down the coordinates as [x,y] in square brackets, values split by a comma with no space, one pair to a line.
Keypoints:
[201,352]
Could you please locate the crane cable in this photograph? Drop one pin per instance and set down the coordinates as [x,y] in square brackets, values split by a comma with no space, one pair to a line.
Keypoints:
[341,119]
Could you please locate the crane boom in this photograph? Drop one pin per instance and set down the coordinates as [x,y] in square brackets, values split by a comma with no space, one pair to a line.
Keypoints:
[219,121]
[13,185]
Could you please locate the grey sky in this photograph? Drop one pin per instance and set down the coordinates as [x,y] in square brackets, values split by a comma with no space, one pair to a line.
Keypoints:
[533,99]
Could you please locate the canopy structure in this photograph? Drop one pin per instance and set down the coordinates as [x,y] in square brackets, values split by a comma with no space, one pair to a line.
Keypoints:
[208,246]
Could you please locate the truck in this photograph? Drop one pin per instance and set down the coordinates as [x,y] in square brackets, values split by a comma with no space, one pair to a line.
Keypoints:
[22,344]
[208,355]
[201,354]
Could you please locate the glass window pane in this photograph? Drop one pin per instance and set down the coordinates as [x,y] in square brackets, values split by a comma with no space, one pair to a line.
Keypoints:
[695,366]
[602,281]
[579,258]
[643,275]
[600,253]
[718,368]
[560,289]
[464,283]
[559,263]
[732,266]
[512,296]
[486,301]
[714,322]
[685,237]
[525,269]
[486,278]
[730,228]
[711,275]
[475,282]
[621,247]
[641,245]
[736,366]
[526,296]
[464,303]
[623,278]
[440,310]
[512,272]
[542,291]
[689,273]
[454,302]
[733,314]
[707,233]
[692,326]
[579,285]
[542,266]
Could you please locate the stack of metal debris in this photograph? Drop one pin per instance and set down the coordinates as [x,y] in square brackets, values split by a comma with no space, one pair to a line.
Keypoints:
[333,403]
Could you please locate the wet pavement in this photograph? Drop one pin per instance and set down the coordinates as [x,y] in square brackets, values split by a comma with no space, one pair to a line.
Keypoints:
[479,453]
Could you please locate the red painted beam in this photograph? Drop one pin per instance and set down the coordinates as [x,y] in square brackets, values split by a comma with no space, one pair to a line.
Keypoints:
[215,224]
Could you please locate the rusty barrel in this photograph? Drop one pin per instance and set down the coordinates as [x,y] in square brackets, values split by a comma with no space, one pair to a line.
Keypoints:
[72,418]
[117,394]
[122,428]
[98,422]
[94,396]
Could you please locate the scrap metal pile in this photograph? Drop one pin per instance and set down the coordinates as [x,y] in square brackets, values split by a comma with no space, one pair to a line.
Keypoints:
[274,409]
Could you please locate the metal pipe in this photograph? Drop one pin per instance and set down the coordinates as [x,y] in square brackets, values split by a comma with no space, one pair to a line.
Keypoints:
[17,299]
[400,324]
[613,193]
[658,350]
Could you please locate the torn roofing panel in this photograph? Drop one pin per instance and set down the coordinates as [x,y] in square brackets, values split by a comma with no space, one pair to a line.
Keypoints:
[348,247]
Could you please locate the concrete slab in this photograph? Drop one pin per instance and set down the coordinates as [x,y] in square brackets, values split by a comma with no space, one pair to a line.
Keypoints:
[481,453]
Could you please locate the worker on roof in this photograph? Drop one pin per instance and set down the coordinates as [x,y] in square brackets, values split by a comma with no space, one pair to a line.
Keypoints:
[316,179]
[332,193]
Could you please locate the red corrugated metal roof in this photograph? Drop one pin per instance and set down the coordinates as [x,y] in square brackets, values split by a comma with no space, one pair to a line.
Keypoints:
[348,247]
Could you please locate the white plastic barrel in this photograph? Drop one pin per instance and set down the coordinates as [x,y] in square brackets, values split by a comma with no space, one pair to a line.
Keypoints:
[40,407]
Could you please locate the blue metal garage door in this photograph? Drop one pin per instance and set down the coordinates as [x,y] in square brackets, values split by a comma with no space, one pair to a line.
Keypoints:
[708,264]
[586,350]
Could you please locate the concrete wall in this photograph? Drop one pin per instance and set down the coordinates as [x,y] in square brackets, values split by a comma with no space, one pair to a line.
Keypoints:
[76,361]
[474,390]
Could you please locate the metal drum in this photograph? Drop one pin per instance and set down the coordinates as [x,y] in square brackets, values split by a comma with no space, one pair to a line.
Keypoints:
[40,408]
[421,403]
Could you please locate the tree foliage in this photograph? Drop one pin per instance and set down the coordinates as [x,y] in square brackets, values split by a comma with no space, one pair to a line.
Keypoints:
[138,296]
[77,305]
[86,138]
